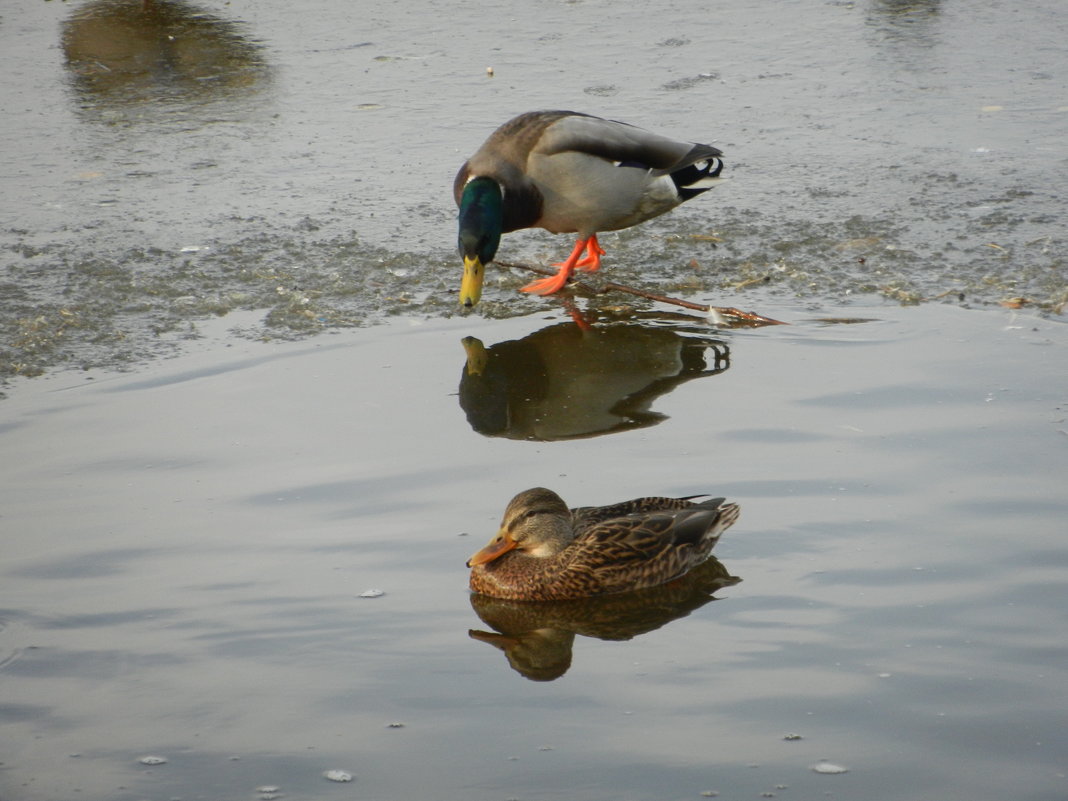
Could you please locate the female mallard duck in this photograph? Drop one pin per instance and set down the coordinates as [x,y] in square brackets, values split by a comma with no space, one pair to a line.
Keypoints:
[546,552]
[568,172]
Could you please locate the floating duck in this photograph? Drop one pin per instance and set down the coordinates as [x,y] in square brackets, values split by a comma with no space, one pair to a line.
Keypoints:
[545,551]
[568,172]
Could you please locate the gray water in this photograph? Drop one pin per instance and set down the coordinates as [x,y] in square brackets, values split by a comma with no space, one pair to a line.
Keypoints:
[185,550]
[227,258]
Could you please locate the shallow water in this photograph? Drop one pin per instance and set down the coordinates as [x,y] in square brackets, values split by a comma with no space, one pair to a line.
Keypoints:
[186,548]
[190,548]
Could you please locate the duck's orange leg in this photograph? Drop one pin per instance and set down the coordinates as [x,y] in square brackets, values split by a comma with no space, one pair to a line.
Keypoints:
[592,261]
[554,283]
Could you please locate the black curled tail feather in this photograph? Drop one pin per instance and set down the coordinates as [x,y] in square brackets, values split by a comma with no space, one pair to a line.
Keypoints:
[705,164]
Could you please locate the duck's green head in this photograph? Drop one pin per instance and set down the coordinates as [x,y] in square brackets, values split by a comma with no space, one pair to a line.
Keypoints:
[481,220]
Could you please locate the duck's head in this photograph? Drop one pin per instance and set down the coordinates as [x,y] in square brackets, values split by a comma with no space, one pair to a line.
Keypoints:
[481,221]
[537,523]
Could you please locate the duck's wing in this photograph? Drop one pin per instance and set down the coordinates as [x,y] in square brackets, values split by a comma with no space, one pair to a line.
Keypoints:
[585,516]
[619,142]
[646,549]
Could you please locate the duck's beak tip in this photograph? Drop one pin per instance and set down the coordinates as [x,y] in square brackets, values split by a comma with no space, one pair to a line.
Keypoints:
[471,285]
[498,546]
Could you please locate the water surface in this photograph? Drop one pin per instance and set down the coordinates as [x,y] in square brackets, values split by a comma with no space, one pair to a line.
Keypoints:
[190,544]
[186,548]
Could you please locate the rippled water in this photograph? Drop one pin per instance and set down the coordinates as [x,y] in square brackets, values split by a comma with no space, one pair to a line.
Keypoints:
[250,561]
[238,572]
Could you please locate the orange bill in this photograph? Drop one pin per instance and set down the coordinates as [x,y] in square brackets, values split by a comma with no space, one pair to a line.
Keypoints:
[498,546]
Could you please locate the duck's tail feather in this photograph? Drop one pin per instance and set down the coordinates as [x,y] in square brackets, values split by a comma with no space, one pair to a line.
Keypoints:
[702,524]
[700,174]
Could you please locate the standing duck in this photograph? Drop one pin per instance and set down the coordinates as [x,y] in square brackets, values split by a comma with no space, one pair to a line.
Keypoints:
[545,551]
[568,172]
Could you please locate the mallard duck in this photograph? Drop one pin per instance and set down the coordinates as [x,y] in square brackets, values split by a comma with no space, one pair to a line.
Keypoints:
[568,172]
[545,551]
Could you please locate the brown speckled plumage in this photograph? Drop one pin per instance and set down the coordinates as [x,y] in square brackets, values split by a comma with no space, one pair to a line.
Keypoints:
[545,551]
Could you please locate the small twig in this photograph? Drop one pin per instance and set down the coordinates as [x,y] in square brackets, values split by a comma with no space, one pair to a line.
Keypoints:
[748,282]
[609,286]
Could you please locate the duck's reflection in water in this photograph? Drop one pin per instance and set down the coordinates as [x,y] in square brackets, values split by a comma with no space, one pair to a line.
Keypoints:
[565,382]
[133,51]
[537,637]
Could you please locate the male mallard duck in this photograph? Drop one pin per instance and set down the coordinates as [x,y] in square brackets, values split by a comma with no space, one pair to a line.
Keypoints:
[568,172]
[545,551]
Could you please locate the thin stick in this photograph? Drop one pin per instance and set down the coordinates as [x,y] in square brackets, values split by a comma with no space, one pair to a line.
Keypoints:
[609,286]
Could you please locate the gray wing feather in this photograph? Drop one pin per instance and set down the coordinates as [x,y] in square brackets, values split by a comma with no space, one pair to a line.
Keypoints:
[619,141]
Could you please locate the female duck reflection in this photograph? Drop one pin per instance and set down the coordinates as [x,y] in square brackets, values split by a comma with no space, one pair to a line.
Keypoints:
[648,556]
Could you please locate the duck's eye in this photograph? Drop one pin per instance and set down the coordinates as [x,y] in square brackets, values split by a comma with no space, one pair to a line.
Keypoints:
[527,516]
